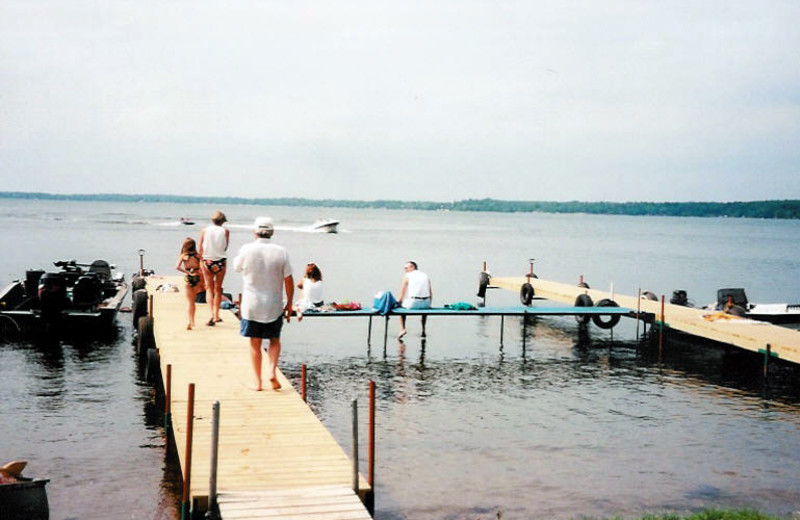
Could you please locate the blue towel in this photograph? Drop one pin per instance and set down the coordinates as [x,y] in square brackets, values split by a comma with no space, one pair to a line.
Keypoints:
[385,302]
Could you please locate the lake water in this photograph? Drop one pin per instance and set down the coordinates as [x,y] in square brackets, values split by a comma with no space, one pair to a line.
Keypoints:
[575,424]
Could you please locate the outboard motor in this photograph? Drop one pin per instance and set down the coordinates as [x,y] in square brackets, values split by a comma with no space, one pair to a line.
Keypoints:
[53,297]
[32,277]
[87,292]
[679,297]
[102,269]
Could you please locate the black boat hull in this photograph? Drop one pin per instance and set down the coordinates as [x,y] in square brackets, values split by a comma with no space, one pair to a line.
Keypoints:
[26,499]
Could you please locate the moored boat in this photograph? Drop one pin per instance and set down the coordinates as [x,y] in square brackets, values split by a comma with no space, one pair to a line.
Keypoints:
[734,301]
[79,298]
[22,497]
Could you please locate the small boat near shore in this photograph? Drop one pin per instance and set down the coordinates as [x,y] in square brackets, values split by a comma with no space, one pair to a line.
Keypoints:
[78,298]
[187,221]
[734,301]
[22,497]
[325,226]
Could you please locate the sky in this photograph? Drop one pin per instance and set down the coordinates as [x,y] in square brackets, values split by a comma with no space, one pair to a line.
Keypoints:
[438,100]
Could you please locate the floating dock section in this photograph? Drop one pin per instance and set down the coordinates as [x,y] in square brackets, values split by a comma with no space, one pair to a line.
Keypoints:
[275,458]
[755,336]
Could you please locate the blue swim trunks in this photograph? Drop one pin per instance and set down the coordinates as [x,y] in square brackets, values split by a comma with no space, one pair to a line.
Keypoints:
[256,329]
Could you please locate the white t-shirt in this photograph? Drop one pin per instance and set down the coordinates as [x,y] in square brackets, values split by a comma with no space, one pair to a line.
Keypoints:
[264,267]
[312,293]
[215,246]
[417,290]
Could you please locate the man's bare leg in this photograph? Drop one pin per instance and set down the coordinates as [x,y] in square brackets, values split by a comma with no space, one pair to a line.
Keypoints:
[273,354]
[255,358]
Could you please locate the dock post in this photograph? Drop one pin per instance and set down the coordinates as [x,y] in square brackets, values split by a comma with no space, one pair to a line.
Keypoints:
[369,332]
[385,333]
[211,514]
[371,453]
[502,323]
[661,329]
[767,354]
[355,445]
[524,330]
[168,402]
[638,313]
[303,382]
[187,477]
[150,307]
[141,262]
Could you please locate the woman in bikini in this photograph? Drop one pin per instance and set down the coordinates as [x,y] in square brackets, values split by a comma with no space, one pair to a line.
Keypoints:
[213,250]
[189,263]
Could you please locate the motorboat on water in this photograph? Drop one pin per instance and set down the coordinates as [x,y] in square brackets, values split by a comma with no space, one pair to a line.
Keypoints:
[80,298]
[326,225]
[187,221]
[734,301]
[22,497]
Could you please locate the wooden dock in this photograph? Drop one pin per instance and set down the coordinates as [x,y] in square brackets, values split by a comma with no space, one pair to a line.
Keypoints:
[755,336]
[275,458]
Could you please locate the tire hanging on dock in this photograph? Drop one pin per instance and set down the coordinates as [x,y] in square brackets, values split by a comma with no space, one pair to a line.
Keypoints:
[649,295]
[526,293]
[583,300]
[606,322]
[145,340]
[483,283]
[138,282]
[152,367]
[139,305]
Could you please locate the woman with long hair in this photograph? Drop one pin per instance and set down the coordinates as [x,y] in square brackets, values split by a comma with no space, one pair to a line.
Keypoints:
[189,264]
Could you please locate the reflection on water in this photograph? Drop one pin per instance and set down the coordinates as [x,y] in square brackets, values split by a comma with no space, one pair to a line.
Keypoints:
[73,410]
[543,419]
[573,422]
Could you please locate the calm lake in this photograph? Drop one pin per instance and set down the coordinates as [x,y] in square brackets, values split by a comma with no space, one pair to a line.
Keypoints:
[576,424]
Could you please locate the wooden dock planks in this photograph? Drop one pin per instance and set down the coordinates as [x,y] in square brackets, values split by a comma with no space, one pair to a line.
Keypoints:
[743,333]
[326,502]
[270,442]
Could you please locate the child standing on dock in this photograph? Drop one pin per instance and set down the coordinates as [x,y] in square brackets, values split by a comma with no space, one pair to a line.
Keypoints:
[189,264]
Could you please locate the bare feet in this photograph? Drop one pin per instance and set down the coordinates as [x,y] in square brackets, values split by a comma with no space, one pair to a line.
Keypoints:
[256,387]
[402,333]
[189,327]
[275,384]
[299,316]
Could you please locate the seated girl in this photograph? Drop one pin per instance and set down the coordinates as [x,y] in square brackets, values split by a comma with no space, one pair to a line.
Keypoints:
[311,284]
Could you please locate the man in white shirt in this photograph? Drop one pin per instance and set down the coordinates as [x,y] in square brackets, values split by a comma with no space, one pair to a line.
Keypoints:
[415,293]
[266,273]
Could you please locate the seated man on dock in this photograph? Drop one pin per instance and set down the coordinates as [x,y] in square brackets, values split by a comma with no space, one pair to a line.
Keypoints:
[415,293]
[266,273]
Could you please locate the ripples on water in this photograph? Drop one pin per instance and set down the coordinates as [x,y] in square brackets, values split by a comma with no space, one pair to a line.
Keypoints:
[572,424]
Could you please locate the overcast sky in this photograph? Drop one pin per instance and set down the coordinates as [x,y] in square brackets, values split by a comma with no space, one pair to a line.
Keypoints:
[414,100]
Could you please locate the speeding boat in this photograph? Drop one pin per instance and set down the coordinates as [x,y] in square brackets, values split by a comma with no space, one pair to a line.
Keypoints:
[80,298]
[22,497]
[734,301]
[325,226]
[187,222]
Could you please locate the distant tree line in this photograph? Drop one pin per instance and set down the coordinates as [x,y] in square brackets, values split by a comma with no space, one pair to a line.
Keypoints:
[780,209]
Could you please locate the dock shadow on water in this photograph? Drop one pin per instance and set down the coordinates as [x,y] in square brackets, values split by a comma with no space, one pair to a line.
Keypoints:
[574,424]
[83,420]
